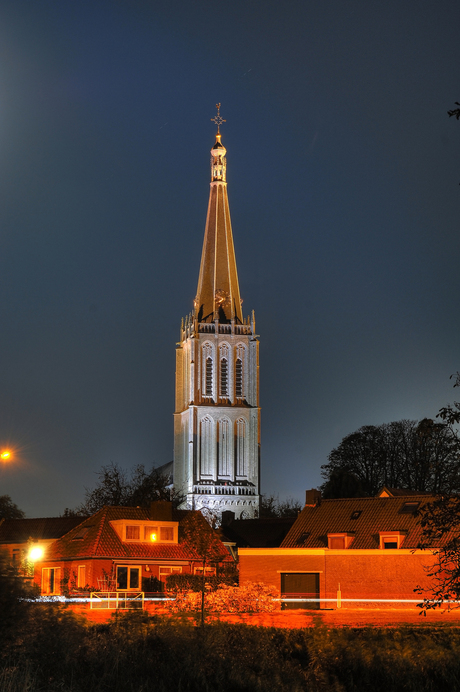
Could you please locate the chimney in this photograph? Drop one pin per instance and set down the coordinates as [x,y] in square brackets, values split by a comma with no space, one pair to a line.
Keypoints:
[312,497]
[161,510]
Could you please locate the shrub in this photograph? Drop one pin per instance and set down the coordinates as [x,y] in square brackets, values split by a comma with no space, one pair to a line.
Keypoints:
[249,598]
[177,583]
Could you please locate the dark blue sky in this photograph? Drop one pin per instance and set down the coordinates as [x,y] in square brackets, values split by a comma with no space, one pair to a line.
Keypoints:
[343,178]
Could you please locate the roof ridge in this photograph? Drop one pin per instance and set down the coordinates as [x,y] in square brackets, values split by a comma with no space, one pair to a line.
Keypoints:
[373,497]
[104,512]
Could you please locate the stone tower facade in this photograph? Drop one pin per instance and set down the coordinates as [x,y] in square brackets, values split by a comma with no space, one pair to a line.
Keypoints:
[217,416]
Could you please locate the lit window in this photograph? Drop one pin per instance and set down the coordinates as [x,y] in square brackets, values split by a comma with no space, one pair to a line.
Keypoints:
[81,577]
[150,533]
[133,533]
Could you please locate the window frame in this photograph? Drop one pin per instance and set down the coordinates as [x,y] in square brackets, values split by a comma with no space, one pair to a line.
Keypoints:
[46,581]
[81,582]
[391,537]
[129,569]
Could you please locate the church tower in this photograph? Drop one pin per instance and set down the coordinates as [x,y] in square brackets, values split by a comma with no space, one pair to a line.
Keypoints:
[216,422]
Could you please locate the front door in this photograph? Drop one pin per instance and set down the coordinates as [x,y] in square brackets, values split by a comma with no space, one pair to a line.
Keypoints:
[300,585]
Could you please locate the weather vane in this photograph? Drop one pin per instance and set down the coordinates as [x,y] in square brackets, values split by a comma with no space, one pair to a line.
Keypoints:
[218,119]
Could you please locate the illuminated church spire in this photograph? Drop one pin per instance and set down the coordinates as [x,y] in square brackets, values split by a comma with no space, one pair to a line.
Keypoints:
[218,293]
[216,422]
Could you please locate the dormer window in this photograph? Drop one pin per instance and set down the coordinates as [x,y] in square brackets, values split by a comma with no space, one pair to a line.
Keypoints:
[391,540]
[138,531]
[339,541]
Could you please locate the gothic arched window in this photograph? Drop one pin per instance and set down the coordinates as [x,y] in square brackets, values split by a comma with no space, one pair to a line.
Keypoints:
[206,456]
[224,377]
[207,370]
[225,449]
[240,372]
[241,453]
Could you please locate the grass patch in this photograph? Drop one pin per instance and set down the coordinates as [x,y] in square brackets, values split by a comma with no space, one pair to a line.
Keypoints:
[55,650]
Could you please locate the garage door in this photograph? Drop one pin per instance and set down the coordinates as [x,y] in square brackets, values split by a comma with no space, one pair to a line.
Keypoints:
[300,585]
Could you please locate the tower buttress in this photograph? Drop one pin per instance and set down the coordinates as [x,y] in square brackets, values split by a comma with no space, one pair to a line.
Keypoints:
[217,414]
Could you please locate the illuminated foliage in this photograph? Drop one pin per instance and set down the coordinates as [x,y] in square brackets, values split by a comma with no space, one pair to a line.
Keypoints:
[198,534]
[248,598]
[440,521]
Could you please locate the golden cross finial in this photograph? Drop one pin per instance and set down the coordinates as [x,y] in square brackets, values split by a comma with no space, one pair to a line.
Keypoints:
[218,119]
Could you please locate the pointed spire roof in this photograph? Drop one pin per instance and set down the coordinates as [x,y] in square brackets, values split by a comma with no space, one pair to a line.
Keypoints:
[218,293]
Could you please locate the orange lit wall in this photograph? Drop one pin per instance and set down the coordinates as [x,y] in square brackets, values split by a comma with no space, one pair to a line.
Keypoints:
[367,574]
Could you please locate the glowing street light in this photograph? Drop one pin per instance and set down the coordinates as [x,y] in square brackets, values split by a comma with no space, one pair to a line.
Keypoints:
[5,455]
[36,553]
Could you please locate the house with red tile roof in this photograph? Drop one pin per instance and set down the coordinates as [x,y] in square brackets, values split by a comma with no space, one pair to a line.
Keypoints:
[121,549]
[365,549]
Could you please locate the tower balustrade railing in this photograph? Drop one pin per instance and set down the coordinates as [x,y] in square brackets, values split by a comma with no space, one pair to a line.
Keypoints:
[224,490]
[210,328]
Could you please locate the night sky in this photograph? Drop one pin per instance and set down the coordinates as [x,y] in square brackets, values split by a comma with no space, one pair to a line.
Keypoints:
[343,176]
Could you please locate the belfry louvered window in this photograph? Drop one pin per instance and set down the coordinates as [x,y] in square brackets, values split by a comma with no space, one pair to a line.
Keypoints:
[208,376]
[239,378]
[224,377]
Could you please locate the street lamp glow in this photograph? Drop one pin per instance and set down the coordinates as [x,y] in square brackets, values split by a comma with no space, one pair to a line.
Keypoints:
[5,454]
[35,553]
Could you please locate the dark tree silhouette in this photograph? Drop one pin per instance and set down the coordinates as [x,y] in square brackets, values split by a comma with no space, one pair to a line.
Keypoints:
[272,506]
[455,112]
[8,509]
[414,455]
[139,489]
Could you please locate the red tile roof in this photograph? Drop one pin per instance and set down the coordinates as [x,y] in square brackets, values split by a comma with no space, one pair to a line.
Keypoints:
[101,539]
[375,515]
